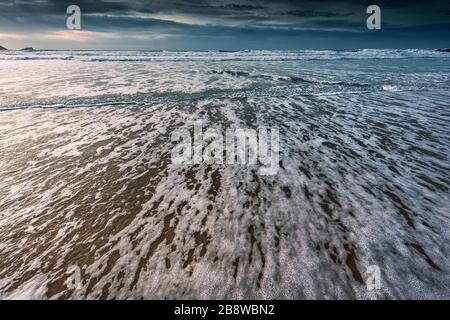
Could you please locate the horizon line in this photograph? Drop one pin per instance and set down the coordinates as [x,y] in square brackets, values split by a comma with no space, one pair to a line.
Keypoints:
[31,49]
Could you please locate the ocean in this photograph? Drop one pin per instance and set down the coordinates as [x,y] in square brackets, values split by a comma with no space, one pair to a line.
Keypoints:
[91,205]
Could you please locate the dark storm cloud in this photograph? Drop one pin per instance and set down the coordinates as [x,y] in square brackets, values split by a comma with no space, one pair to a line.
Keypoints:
[235,6]
[237,19]
[312,13]
[275,10]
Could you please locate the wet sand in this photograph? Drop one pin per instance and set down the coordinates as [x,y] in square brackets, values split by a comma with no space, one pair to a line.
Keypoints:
[363,181]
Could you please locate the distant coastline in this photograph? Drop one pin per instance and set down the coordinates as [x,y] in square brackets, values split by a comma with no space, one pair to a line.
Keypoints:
[27,49]
[31,49]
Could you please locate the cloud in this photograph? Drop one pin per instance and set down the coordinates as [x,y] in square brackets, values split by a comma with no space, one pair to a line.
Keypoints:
[80,35]
[178,18]
[244,21]
[235,6]
[63,35]
[313,14]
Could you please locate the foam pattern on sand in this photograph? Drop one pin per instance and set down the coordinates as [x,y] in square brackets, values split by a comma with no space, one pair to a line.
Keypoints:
[363,180]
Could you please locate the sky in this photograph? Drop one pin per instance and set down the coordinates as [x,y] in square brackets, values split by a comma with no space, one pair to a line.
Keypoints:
[224,24]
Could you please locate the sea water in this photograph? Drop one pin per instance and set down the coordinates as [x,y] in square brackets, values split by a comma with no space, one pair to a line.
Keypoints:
[91,205]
